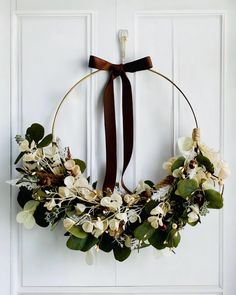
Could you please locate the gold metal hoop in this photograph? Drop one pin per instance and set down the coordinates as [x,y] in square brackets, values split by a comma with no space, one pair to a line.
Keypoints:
[95,72]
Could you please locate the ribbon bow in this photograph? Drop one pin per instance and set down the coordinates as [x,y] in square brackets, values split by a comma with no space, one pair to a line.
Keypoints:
[118,70]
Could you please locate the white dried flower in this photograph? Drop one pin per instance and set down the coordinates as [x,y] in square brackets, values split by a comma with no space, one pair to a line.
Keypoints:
[69,164]
[87,226]
[68,223]
[24,146]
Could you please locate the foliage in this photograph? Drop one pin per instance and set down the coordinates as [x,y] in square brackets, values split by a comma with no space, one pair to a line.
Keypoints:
[53,188]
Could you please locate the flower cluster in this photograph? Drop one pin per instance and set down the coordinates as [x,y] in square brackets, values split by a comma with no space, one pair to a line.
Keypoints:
[53,188]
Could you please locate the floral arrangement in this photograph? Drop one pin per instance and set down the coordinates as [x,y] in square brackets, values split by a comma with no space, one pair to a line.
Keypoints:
[53,189]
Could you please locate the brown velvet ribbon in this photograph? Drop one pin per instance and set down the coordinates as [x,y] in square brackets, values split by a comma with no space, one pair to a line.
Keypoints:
[118,70]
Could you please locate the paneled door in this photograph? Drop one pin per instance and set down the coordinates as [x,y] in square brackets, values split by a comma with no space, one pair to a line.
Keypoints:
[45,47]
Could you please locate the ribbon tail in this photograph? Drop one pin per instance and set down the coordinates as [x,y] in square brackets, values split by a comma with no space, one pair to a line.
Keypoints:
[110,134]
[128,128]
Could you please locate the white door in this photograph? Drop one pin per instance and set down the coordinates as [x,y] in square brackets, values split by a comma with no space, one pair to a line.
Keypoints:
[45,46]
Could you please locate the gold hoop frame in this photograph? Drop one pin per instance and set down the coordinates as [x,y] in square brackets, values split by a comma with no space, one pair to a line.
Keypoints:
[95,72]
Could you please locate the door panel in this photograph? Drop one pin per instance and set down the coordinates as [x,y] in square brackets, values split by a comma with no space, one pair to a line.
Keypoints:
[50,45]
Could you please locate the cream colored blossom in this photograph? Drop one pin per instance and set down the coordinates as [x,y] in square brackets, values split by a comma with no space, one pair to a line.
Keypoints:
[58,170]
[113,202]
[114,224]
[224,171]
[178,173]
[155,221]
[158,213]
[99,227]
[128,242]
[133,216]
[50,151]
[69,164]
[69,182]
[122,216]
[26,218]
[193,216]
[185,145]
[24,146]
[50,204]
[79,208]
[208,184]
[142,187]
[87,226]
[63,192]
[29,157]
[131,199]
[157,210]
[76,170]
[68,223]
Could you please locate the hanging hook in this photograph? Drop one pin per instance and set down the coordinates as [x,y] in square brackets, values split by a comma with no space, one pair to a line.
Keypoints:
[123,37]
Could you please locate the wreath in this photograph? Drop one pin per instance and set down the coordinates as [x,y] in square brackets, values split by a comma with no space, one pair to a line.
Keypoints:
[53,186]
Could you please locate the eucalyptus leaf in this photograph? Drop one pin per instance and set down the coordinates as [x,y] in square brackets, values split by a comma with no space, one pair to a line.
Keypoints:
[84,245]
[27,218]
[75,243]
[40,215]
[81,164]
[24,196]
[204,161]
[173,238]
[106,243]
[149,182]
[121,253]
[193,223]
[144,231]
[31,206]
[45,142]
[186,187]
[150,205]
[90,242]
[35,132]
[178,163]
[77,232]
[214,198]
[19,157]
[158,238]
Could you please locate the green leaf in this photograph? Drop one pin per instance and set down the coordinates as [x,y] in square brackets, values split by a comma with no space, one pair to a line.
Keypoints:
[81,164]
[24,196]
[204,161]
[40,215]
[157,239]
[144,231]
[178,163]
[186,187]
[121,253]
[19,157]
[173,238]
[150,205]
[77,232]
[84,245]
[46,141]
[106,243]
[75,243]
[20,170]
[214,198]
[27,218]
[31,206]
[35,132]
[149,182]
[193,223]
[90,242]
